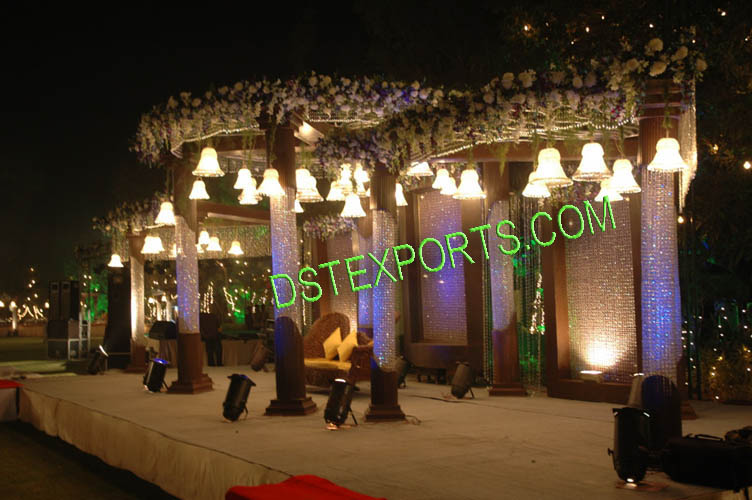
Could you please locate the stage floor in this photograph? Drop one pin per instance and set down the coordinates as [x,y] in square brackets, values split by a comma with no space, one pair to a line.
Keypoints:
[486,448]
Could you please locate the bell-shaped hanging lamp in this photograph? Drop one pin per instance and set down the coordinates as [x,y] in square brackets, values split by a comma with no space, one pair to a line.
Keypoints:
[353,207]
[115,261]
[270,186]
[203,238]
[298,209]
[335,193]
[249,195]
[307,190]
[244,178]
[235,248]
[174,251]
[399,195]
[199,191]
[208,165]
[623,181]
[152,245]
[360,189]
[667,158]
[360,174]
[592,166]
[469,188]
[535,190]
[420,169]
[606,190]
[214,244]
[199,248]
[441,177]
[166,214]
[450,187]
[549,171]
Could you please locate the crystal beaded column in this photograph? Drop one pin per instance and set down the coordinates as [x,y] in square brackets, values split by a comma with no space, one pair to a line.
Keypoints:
[186,269]
[661,301]
[384,337]
[340,247]
[285,251]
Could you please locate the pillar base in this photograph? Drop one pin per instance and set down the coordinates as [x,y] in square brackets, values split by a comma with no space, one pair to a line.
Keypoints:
[687,412]
[291,408]
[384,413]
[201,384]
[511,389]
[137,363]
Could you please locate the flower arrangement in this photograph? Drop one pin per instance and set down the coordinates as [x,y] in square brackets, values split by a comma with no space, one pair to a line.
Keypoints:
[129,216]
[324,227]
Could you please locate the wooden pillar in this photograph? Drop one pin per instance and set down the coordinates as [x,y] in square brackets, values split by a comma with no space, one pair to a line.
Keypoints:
[191,379]
[136,268]
[555,307]
[384,398]
[506,362]
[288,342]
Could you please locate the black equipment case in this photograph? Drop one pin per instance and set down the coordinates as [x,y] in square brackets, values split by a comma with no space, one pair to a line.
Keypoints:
[709,461]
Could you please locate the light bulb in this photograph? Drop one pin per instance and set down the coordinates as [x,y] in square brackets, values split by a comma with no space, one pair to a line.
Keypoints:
[399,195]
[208,165]
[352,207]
[199,191]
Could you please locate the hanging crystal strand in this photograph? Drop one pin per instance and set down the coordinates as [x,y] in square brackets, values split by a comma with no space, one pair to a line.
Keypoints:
[384,295]
[286,250]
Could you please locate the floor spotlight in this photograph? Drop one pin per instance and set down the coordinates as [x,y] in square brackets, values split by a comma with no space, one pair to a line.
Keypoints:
[338,405]
[631,435]
[237,396]
[97,362]
[155,374]
[462,380]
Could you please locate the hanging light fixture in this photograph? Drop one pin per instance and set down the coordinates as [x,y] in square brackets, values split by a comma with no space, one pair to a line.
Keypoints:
[353,207]
[419,169]
[450,187]
[469,188]
[360,190]
[115,261]
[152,245]
[667,158]
[335,193]
[550,171]
[166,214]
[592,166]
[442,175]
[199,191]
[174,251]
[244,178]
[307,191]
[535,190]
[270,186]
[606,190]
[360,175]
[249,195]
[199,248]
[203,238]
[208,165]
[235,248]
[399,195]
[298,209]
[623,181]
[345,179]
[214,245]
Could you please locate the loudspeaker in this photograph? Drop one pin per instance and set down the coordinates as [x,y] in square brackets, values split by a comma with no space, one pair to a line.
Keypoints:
[54,299]
[117,333]
[163,330]
[62,329]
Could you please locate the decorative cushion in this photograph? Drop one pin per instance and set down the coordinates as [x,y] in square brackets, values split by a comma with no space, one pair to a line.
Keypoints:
[332,343]
[325,364]
[345,349]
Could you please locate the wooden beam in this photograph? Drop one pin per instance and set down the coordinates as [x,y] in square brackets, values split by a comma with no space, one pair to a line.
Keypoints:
[241,214]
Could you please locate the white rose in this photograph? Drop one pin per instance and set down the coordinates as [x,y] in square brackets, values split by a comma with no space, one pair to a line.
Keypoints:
[701,65]
[526,78]
[590,80]
[238,87]
[518,99]
[655,45]
[557,77]
[680,53]
[657,68]
[506,80]
[196,102]
[488,97]
[632,64]
[312,81]
[415,85]
[577,82]
[423,94]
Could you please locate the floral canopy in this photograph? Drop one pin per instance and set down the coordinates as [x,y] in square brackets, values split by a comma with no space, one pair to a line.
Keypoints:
[375,120]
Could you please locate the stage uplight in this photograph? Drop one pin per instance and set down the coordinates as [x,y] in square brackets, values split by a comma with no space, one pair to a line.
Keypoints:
[462,380]
[155,374]
[338,405]
[97,361]
[631,436]
[237,396]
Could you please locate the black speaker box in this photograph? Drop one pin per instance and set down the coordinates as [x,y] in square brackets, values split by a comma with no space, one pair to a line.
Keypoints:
[117,333]
[163,330]
[62,329]
[54,299]
[70,298]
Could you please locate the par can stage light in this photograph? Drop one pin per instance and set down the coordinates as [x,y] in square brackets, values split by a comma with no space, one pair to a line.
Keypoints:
[338,405]
[98,358]
[237,396]
[155,374]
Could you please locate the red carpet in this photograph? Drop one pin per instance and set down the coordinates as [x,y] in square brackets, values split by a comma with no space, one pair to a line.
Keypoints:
[8,384]
[296,488]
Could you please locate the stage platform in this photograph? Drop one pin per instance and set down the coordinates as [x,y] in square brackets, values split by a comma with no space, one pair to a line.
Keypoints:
[486,448]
